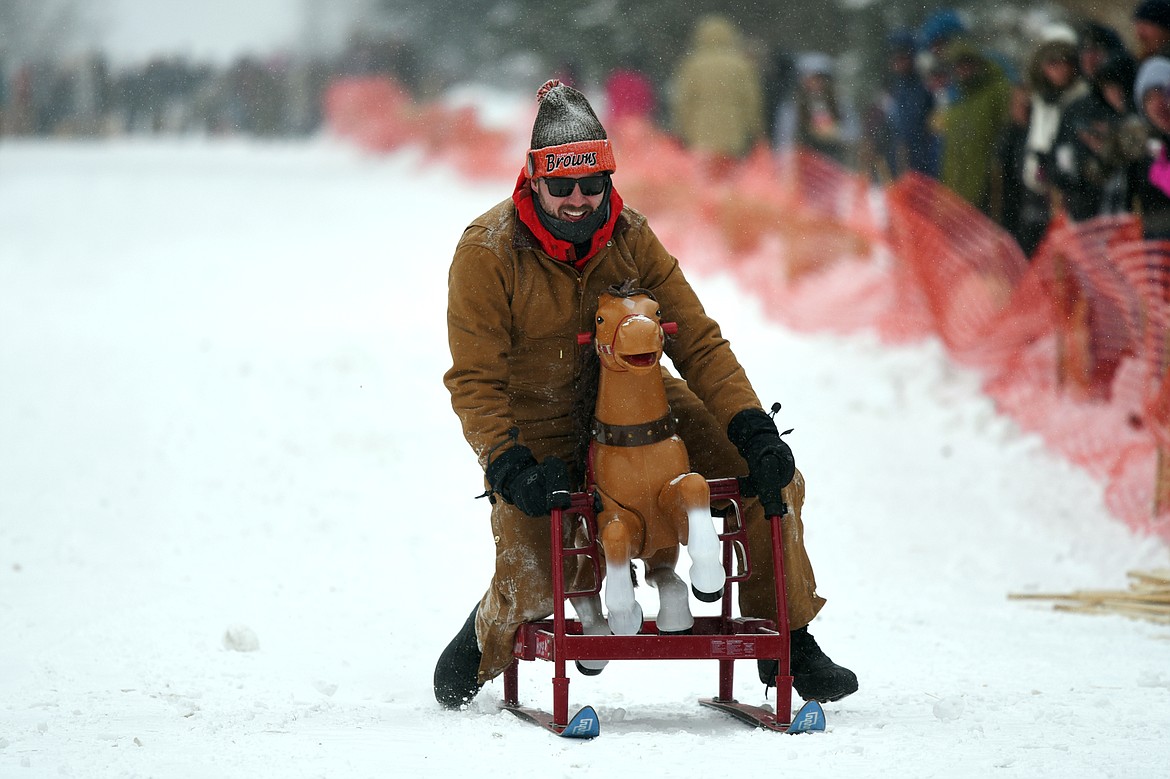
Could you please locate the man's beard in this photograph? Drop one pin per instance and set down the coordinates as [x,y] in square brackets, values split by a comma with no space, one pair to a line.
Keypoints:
[575,232]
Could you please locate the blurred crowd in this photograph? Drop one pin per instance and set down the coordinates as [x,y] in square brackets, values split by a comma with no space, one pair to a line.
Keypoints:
[1076,127]
[269,97]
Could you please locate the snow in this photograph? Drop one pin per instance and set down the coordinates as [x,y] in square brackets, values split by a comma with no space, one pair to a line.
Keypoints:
[237,522]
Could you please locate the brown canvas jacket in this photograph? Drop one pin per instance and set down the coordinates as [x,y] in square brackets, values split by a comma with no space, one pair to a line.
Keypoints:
[514,314]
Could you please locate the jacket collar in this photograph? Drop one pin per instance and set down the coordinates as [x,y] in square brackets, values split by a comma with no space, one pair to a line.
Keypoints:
[554,247]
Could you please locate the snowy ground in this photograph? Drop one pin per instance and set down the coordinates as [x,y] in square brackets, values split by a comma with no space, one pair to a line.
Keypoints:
[221,408]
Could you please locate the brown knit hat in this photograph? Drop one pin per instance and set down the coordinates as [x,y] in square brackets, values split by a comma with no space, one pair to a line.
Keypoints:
[567,137]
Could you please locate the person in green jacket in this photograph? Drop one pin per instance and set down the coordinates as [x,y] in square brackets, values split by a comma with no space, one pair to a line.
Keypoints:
[971,126]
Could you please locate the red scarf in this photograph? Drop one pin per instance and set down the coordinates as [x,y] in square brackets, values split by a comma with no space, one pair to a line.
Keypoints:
[556,248]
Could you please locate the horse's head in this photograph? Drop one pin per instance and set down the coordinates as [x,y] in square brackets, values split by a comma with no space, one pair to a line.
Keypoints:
[628,332]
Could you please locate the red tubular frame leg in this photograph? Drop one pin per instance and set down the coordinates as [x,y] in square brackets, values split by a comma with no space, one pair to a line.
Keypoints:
[512,684]
[784,672]
[726,666]
[560,680]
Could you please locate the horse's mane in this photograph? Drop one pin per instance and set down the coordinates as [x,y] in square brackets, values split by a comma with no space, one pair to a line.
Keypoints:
[627,290]
[585,387]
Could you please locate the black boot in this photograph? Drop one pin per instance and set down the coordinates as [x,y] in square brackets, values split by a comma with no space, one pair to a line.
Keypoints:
[814,675]
[457,672]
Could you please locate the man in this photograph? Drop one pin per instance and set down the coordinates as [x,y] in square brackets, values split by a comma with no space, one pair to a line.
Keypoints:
[523,283]
[1151,27]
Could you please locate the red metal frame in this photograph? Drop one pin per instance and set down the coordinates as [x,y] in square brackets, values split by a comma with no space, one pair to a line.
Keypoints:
[723,638]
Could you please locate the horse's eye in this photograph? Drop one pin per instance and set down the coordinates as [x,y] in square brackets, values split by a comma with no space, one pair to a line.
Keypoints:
[658,313]
[600,320]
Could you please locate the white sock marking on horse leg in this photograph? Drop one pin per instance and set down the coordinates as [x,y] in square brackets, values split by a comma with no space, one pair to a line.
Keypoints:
[707,574]
[625,615]
[593,623]
[674,608]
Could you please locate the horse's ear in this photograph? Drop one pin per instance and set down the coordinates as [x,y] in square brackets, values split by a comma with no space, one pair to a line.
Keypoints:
[584,338]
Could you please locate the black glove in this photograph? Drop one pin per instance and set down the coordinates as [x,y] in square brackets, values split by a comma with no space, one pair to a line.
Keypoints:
[770,462]
[534,488]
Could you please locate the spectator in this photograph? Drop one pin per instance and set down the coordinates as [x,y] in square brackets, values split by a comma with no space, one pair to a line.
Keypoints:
[779,84]
[971,127]
[906,107]
[937,33]
[1088,161]
[1007,179]
[717,100]
[1151,27]
[1129,139]
[629,94]
[1149,177]
[1097,44]
[815,118]
[1054,76]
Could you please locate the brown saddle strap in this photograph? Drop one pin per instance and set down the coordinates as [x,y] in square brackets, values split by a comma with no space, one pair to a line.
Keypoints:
[634,435]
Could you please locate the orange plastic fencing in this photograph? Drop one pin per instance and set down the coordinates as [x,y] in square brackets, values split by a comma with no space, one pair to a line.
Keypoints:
[1145,268]
[962,267]
[1061,383]
[1138,487]
[379,114]
[1073,343]
[1098,313]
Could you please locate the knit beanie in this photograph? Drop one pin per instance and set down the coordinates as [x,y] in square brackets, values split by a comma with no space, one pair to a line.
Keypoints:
[567,136]
[1052,50]
[1154,11]
[1154,73]
[943,25]
[1099,36]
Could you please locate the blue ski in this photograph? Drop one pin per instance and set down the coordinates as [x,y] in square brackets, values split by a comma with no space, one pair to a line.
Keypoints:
[584,724]
[810,719]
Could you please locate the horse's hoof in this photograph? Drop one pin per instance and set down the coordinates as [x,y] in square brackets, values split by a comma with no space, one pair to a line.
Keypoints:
[684,632]
[627,623]
[588,671]
[707,597]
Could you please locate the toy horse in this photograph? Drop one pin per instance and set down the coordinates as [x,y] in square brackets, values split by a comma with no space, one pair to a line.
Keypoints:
[650,502]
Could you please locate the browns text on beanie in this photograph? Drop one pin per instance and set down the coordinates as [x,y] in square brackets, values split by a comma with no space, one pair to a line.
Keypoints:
[567,137]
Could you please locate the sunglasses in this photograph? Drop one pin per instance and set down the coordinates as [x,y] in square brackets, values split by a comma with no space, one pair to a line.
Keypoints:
[591,186]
